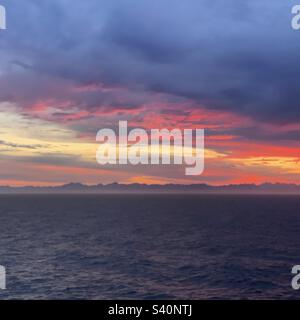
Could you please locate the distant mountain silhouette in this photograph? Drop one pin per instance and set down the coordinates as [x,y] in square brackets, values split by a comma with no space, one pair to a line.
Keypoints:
[155,188]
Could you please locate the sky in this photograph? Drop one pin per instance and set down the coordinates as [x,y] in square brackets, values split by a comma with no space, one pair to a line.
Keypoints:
[69,68]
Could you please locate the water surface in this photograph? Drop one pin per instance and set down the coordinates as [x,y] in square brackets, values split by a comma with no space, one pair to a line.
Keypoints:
[149,246]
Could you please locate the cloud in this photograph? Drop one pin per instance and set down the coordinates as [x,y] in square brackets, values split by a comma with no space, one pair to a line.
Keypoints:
[240,57]
[16,145]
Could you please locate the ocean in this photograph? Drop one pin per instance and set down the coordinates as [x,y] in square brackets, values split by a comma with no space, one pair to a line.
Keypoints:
[149,246]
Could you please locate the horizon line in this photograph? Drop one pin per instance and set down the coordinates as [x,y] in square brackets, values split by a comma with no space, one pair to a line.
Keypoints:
[152,184]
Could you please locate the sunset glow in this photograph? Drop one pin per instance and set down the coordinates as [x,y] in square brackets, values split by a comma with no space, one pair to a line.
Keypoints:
[57,91]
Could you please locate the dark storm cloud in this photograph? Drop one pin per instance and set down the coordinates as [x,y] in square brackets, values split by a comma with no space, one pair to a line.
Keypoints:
[234,55]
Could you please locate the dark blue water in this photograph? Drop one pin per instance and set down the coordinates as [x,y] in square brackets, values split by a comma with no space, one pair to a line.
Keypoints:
[149,246]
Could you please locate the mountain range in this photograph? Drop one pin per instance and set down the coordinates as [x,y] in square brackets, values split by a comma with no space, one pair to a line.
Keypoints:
[155,188]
